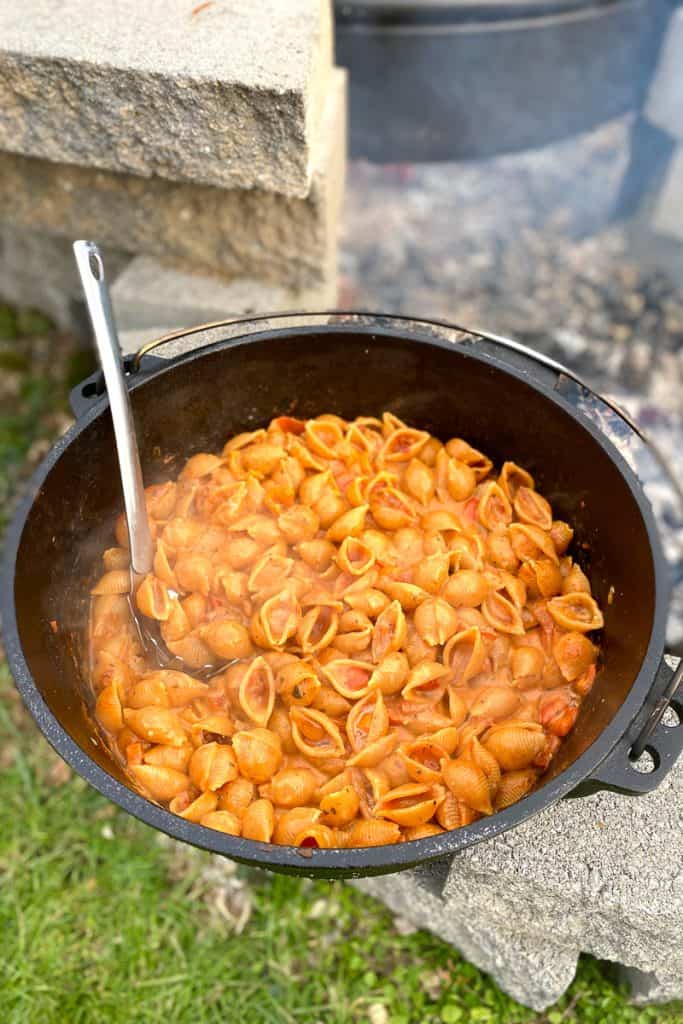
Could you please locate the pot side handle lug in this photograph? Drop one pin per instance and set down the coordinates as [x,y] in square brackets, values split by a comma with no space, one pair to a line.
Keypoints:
[91,389]
[656,736]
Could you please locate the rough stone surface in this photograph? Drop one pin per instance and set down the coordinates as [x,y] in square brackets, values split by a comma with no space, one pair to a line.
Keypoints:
[221,93]
[667,212]
[664,105]
[224,232]
[38,270]
[534,972]
[147,294]
[601,874]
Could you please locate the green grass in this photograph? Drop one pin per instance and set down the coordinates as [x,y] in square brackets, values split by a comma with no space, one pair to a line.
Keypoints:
[102,920]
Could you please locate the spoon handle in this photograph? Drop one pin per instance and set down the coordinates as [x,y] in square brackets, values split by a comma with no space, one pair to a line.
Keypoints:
[91,271]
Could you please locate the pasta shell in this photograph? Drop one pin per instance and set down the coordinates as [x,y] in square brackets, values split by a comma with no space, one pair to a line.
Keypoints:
[453,813]
[350,524]
[367,721]
[574,653]
[485,760]
[431,573]
[355,557]
[170,757]
[290,824]
[147,692]
[373,833]
[339,807]
[323,438]
[297,683]
[576,581]
[402,445]
[212,765]
[531,507]
[465,588]
[389,633]
[291,787]
[454,478]
[236,796]
[161,782]
[349,678]
[390,674]
[494,509]
[412,804]
[468,783]
[116,581]
[317,629]
[205,803]
[116,558]
[258,752]
[436,621]
[227,638]
[192,650]
[374,753]
[512,477]
[543,579]
[108,708]
[426,683]
[464,452]
[527,663]
[222,821]
[418,480]
[514,746]
[422,758]
[315,734]
[257,692]
[317,837]
[502,614]
[421,831]
[577,612]
[408,595]
[153,599]
[278,619]
[370,601]
[258,821]
[391,508]
[495,702]
[531,542]
[269,572]
[561,534]
[464,655]
[558,712]
[156,725]
[513,786]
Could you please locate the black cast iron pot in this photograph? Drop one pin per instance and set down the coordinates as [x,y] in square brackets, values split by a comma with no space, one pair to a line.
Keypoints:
[445,380]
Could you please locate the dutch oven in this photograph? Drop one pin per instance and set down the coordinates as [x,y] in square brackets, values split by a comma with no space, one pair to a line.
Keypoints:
[500,396]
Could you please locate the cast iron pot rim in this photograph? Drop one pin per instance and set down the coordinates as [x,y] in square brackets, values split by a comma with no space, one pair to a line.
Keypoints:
[344,861]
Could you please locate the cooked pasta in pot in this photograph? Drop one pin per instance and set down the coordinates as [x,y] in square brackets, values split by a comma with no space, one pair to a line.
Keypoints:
[400,638]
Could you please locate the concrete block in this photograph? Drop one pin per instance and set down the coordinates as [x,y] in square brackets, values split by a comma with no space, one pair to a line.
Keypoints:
[664,104]
[202,229]
[221,93]
[601,874]
[38,270]
[667,210]
[533,972]
[146,294]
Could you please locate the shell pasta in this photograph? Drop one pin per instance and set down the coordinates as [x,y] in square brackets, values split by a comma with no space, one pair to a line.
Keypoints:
[399,637]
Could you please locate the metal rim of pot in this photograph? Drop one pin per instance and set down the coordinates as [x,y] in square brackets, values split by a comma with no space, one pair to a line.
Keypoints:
[604,764]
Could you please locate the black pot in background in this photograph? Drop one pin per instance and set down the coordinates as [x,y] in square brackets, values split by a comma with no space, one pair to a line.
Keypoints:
[448,381]
[468,79]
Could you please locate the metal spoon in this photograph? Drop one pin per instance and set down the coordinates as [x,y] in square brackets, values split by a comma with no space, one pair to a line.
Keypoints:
[91,271]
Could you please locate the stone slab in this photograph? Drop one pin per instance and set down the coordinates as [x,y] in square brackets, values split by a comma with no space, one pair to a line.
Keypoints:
[664,104]
[667,208]
[38,270]
[215,92]
[533,972]
[147,293]
[203,229]
[600,874]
